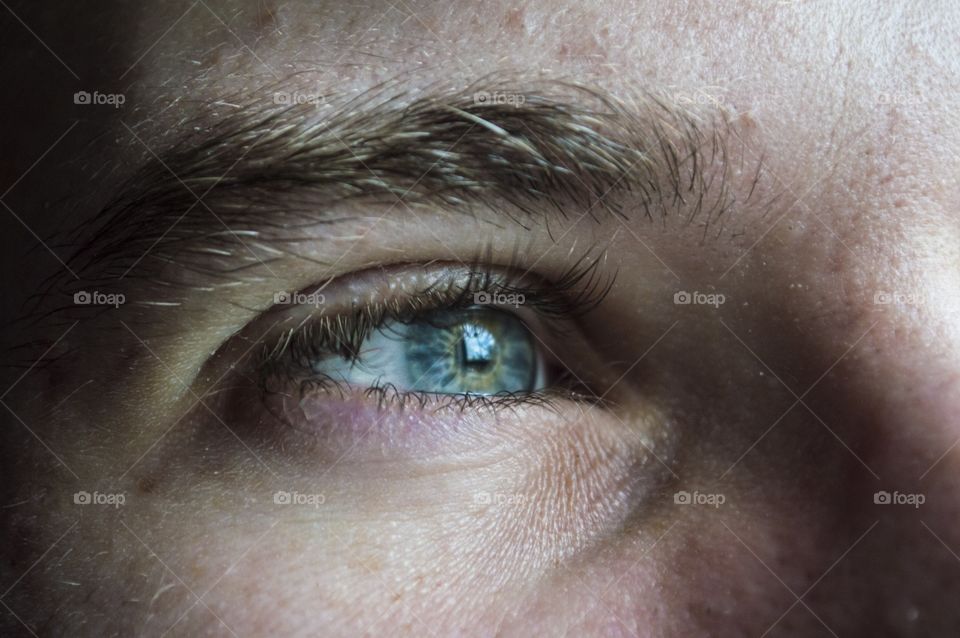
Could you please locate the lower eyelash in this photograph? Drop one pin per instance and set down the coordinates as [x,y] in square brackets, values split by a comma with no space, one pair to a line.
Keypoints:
[388,396]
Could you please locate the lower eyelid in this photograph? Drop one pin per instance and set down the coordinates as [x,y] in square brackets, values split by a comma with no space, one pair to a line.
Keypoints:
[331,424]
[326,424]
[350,440]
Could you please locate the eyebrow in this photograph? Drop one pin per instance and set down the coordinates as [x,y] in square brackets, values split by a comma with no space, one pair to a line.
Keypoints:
[522,149]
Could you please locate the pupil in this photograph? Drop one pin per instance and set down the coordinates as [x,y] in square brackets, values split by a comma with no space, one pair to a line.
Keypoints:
[477,346]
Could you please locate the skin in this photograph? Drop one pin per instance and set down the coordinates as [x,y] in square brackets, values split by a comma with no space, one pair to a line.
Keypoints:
[853,111]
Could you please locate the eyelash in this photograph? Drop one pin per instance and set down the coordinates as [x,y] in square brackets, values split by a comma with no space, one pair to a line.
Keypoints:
[576,292]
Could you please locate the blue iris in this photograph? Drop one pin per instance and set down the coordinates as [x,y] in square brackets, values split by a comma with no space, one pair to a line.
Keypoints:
[472,351]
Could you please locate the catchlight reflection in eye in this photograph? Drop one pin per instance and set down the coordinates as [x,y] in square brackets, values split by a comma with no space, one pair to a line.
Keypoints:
[470,351]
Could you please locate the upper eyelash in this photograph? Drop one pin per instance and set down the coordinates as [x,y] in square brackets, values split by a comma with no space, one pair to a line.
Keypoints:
[577,291]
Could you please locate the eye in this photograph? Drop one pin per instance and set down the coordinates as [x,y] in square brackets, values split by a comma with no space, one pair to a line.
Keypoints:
[478,351]
[438,336]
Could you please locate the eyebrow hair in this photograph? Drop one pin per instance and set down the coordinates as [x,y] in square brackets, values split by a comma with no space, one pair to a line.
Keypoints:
[524,149]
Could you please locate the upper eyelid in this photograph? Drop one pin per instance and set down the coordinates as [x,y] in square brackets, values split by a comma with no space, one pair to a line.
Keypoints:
[576,292]
[575,289]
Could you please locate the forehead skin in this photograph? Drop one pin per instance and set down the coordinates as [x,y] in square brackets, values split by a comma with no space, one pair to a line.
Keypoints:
[853,107]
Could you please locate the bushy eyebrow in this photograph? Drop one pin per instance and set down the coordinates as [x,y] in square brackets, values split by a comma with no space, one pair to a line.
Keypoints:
[523,149]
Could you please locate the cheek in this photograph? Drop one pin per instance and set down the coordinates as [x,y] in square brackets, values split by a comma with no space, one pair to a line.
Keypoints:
[682,576]
[309,571]
[378,539]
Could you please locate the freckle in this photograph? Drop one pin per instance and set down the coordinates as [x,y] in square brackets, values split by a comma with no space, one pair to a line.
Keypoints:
[267,18]
[146,485]
[514,20]
[747,121]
